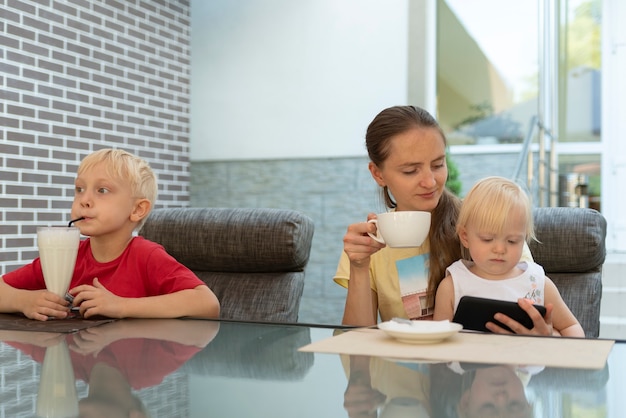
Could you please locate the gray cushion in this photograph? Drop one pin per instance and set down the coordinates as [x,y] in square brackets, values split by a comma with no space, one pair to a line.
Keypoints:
[252,258]
[571,239]
[273,297]
[235,240]
[572,251]
[582,292]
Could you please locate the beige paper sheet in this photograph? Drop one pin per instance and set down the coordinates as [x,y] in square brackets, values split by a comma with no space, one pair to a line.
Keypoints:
[577,353]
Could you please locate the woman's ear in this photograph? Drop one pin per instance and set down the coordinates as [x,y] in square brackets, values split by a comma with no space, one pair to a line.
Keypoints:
[376,174]
[141,210]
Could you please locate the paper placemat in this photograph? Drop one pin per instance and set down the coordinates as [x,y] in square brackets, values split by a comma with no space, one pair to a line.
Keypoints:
[577,353]
[68,325]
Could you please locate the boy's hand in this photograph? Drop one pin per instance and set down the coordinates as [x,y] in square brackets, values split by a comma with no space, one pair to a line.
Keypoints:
[95,300]
[43,304]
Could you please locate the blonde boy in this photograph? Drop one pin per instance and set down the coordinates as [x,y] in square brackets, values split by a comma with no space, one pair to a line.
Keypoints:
[117,274]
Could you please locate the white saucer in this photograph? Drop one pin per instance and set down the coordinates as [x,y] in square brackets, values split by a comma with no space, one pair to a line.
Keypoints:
[420,332]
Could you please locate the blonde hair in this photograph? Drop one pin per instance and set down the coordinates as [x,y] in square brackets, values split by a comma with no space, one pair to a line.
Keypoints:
[124,166]
[491,201]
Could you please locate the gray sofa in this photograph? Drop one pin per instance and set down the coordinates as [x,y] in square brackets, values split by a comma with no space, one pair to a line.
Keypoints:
[572,250]
[252,258]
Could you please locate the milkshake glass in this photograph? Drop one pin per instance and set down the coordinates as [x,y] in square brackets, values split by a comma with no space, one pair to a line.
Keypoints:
[58,247]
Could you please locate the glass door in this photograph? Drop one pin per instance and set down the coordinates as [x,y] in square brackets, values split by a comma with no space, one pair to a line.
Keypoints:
[511,71]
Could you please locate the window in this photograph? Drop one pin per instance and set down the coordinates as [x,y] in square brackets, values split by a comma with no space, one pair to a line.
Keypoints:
[530,69]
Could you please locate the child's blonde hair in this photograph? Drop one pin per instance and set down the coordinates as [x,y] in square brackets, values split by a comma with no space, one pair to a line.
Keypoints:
[489,203]
[122,165]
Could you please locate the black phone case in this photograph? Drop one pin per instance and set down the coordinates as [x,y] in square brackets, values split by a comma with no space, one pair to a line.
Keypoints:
[474,312]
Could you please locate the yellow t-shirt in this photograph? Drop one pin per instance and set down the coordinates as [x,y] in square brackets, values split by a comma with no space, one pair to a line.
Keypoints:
[394,273]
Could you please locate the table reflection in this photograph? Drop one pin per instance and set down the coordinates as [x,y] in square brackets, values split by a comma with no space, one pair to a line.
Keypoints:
[197,368]
[114,360]
[480,390]
[57,396]
[380,387]
[476,390]
[150,367]
[249,350]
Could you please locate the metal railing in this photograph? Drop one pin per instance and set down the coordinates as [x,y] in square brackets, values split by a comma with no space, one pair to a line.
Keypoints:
[544,185]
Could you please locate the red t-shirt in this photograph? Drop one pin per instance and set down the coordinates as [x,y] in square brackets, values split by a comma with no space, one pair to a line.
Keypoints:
[143,269]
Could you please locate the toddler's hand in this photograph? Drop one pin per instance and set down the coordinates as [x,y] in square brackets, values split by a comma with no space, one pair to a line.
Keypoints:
[541,325]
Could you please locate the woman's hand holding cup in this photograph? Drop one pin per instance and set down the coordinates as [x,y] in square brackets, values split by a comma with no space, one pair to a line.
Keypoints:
[358,245]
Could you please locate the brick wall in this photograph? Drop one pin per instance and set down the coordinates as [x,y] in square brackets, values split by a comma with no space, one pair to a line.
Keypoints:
[76,76]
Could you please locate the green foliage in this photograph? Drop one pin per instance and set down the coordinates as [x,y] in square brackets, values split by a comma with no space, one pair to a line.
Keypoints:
[453,183]
[583,36]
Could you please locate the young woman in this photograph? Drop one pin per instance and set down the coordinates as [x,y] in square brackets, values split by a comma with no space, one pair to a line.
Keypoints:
[407,149]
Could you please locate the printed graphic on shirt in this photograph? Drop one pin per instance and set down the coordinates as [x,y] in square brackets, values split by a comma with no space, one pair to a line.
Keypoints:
[413,278]
[535,294]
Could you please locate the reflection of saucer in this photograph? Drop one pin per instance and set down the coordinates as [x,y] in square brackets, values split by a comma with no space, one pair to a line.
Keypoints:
[420,332]
[412,361]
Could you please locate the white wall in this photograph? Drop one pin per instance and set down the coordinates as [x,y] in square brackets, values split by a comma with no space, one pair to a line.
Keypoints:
[293,79]
[614,122]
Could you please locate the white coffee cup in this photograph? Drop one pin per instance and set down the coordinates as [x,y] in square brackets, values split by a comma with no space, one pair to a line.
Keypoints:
[401,229]
[58,248]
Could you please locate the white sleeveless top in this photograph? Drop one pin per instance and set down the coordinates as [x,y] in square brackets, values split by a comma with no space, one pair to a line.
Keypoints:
[529,284]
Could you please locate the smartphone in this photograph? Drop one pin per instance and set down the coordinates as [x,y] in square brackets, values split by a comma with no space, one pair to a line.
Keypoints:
[474,312]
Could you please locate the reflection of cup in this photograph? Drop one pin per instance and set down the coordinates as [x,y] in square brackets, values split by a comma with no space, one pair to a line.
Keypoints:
[57,396]
[402,229]
[58,247]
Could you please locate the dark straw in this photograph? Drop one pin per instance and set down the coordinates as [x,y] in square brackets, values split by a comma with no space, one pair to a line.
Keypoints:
[75,220]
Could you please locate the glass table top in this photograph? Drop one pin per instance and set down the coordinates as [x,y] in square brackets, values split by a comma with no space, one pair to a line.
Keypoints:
[195,368]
